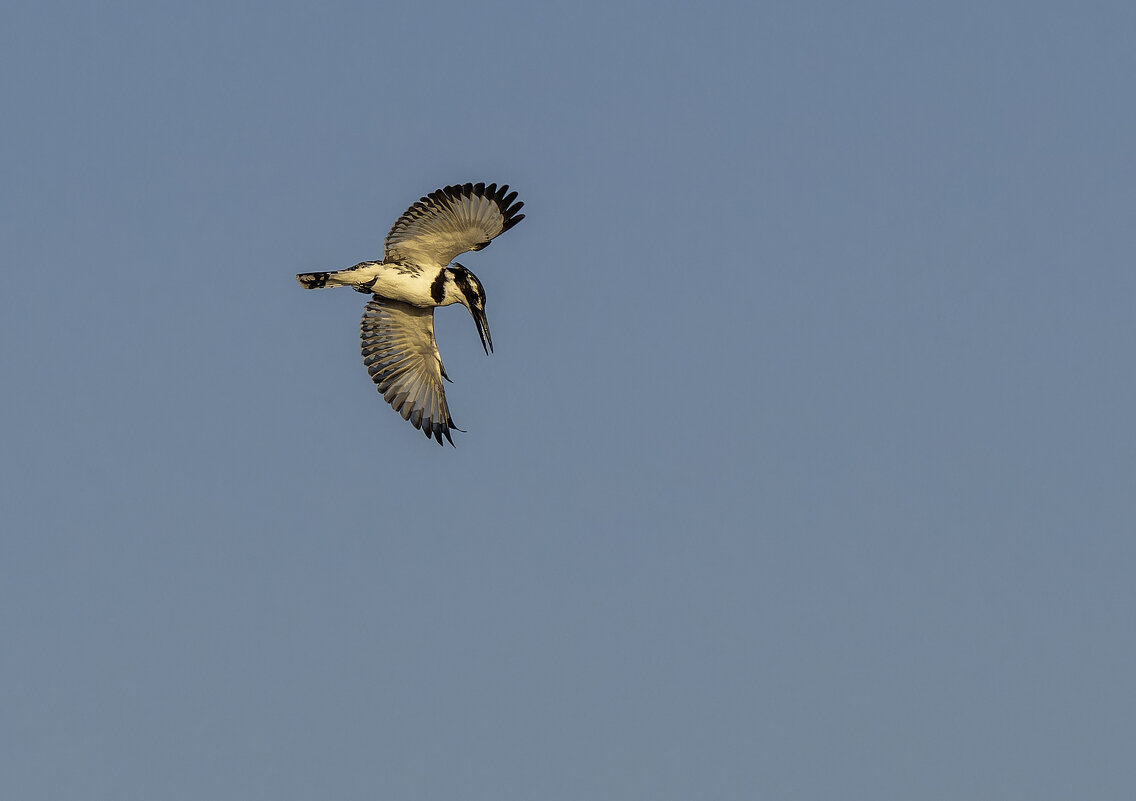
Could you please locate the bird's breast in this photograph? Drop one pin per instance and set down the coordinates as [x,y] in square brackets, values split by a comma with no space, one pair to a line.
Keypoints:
[398,283]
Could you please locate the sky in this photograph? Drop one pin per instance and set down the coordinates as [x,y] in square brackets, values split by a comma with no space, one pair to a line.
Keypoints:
[805,466]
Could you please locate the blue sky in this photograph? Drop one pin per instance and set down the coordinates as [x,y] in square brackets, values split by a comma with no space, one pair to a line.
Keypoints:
[804,468]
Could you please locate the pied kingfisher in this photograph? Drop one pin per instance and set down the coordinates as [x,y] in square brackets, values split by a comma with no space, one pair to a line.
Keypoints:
[413,277]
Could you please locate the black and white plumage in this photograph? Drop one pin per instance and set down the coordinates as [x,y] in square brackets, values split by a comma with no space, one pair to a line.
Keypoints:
[412,279]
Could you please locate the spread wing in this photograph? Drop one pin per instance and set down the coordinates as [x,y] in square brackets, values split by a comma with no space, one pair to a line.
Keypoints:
[451,221]
[402,359]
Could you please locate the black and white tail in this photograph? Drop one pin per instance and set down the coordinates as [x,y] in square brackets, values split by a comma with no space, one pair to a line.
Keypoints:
[361,277]
[313,280]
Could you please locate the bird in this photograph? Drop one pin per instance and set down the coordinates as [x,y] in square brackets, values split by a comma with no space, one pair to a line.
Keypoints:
[412,279]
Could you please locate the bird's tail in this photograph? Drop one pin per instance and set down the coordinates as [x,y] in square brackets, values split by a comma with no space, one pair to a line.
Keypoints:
[313,280]
[361,277]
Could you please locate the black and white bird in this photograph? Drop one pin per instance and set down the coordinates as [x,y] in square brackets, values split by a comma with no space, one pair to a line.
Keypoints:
[413,277]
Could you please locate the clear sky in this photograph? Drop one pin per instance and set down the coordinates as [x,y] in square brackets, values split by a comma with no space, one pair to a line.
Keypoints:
[805,467]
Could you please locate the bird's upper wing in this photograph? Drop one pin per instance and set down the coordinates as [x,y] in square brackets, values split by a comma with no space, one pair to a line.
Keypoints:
[402,359]
[451,221]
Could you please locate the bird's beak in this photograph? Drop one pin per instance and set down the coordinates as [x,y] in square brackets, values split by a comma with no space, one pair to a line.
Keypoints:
[483,330]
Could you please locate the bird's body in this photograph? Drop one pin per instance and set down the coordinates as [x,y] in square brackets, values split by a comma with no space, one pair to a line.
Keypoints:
[394,281]
[413,277]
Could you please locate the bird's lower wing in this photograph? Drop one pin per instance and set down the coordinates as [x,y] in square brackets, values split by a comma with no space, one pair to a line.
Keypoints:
[402,359]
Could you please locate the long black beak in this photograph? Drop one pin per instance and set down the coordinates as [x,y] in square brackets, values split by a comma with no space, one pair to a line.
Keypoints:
[483,330]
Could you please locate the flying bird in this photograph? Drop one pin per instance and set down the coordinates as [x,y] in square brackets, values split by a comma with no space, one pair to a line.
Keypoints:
[412,279]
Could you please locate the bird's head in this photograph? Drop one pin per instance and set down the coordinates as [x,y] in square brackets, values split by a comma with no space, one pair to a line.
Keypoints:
[471,294]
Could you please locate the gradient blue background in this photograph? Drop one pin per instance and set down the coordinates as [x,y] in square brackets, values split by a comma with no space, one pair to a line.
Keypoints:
[805,467]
